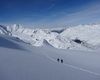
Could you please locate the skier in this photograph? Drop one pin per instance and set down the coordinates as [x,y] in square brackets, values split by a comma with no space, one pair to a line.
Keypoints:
[61,60]
[58,59]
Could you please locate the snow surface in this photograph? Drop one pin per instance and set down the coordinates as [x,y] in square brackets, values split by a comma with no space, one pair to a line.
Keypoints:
[21,61]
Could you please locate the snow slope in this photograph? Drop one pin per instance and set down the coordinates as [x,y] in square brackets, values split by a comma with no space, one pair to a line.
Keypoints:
[89,34]
[21,61]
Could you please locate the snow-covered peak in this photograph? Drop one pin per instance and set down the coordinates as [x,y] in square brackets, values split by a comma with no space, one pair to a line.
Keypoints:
[3,30]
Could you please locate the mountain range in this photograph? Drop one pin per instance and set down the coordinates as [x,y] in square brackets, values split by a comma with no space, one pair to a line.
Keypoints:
[81,37]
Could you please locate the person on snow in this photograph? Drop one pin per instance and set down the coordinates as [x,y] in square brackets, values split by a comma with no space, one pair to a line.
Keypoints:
[58,59]
[61,60]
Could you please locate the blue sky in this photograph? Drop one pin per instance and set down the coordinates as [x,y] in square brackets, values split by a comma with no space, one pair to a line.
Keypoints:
[49,13]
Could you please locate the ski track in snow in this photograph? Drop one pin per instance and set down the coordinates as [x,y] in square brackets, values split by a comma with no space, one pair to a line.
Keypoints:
[71,65]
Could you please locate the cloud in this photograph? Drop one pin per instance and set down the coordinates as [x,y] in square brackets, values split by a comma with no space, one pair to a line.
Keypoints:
[89,14]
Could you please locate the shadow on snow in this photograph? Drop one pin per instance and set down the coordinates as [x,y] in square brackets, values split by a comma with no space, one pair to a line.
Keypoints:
[9,44]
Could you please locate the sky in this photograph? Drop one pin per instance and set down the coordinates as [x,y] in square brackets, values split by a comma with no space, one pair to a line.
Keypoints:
[49,13]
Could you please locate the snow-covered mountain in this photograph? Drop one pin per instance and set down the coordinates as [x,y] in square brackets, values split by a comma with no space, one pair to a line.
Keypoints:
[22,61]
[81,37]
